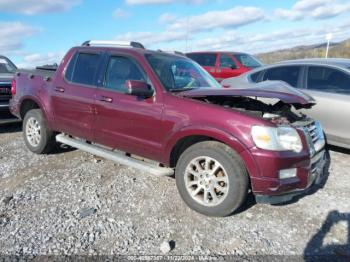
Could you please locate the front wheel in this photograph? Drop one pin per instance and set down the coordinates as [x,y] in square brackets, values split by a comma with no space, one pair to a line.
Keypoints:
[37,135]
[212,179]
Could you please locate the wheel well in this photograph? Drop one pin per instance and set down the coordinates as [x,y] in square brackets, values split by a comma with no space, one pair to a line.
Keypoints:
[28,105]
[185,143]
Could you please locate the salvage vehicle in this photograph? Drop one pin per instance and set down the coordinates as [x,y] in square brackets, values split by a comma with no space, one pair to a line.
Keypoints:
[7,70]
[163,114]
[222,65]
[326,80]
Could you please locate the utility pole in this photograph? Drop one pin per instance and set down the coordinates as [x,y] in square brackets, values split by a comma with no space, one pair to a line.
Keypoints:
[328,37]
[187,33]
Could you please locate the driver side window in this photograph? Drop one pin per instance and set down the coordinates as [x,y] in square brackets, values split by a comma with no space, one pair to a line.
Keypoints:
[119,70]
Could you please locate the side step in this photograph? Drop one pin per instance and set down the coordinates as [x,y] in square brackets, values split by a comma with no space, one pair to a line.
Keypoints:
[115,156]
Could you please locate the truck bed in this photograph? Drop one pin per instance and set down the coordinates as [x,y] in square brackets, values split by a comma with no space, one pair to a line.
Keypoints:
[44,73]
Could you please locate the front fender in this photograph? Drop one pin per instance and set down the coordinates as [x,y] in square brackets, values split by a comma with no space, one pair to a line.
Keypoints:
[208,131]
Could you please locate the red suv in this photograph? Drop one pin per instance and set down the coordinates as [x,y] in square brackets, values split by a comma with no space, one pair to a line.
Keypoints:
[222,65]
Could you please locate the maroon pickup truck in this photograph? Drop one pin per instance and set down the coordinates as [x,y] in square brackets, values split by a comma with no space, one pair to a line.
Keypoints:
[164,114]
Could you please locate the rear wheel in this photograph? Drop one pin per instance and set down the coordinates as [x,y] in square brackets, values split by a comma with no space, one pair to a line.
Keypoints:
[212,179]
[37,136]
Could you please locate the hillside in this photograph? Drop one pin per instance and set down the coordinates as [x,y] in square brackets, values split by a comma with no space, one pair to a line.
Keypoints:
[339,50]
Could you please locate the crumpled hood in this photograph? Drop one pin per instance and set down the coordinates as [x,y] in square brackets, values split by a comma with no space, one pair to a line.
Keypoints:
[268,89]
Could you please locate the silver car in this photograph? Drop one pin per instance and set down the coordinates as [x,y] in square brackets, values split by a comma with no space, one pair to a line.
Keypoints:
[327,80]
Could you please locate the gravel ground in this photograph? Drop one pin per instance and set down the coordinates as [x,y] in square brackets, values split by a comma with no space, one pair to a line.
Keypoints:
[70,202]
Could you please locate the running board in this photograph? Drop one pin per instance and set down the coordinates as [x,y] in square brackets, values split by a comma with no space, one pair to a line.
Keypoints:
[115,156]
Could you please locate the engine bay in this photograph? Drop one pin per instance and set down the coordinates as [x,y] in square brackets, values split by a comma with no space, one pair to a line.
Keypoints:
[279,113]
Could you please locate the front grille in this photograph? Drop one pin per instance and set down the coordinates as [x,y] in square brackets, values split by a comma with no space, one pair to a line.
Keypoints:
[313,132]
[314,136]
[5,92]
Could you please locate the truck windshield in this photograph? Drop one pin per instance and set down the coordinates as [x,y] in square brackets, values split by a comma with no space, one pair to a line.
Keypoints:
[180,73]
[248,60]
[6,66]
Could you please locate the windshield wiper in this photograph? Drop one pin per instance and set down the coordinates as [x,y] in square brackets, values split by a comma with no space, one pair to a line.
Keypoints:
[181,89]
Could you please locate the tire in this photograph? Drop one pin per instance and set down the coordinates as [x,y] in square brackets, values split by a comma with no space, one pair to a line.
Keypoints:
[217,162]
[37,136]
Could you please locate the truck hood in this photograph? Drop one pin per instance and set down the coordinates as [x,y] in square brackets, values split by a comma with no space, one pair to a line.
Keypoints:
[268,89]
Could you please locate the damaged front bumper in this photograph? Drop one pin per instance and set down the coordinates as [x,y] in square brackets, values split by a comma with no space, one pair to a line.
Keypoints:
[315,178]
[309,167]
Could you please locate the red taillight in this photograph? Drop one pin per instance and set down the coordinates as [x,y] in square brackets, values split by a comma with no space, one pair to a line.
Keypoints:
[13,87]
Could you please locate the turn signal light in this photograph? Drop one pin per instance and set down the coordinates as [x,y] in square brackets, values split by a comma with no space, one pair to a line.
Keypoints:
[13,87]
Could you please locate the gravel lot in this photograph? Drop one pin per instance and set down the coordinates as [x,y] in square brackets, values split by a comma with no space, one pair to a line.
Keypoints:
[70,202]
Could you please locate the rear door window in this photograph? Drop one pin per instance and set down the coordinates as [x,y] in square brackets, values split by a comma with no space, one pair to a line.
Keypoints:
[288,74]
[204,59]
[226,61]
[328,80]
[255,77]
[82,68]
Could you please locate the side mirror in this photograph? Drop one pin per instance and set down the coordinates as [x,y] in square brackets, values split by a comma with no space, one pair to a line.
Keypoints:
[234,67]
[138,88]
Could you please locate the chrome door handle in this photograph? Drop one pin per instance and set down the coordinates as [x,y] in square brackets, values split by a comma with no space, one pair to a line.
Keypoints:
[106,99]
[59,89]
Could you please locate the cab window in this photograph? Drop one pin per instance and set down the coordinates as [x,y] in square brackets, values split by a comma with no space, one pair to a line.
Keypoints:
[82,68]
[119,70]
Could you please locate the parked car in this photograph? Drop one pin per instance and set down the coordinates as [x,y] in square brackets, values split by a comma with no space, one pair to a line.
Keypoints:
[7,70]
[165,112]
[222,65]
[327,80]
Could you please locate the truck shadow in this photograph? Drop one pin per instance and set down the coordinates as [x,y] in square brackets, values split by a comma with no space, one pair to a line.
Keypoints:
[250,202]
[316,250]
[62,148]
[12,127]
[339,149]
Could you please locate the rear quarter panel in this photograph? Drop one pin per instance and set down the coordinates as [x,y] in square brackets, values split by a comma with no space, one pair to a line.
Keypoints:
[35,88]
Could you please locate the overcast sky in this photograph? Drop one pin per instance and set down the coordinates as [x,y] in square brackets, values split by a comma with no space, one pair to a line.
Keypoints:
[35,32]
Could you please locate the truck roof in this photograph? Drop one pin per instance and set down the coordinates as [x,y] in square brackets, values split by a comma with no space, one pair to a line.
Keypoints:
[217,52]
[132,47]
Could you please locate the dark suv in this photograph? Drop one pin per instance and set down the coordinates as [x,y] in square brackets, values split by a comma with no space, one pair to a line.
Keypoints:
[7,70]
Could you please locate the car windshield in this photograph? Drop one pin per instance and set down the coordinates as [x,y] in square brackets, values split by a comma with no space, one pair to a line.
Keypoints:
[6,66]
[248,60]
[180,73]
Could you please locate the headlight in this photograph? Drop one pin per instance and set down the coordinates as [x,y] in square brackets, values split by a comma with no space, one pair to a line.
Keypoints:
[277,138]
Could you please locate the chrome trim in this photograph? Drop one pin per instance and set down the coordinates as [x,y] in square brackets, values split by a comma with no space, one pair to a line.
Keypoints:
[6,104]
[314,137]
[116,156]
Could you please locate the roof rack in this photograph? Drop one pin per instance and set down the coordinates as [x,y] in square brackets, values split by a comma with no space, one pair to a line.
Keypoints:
[172,52]
[113,43]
